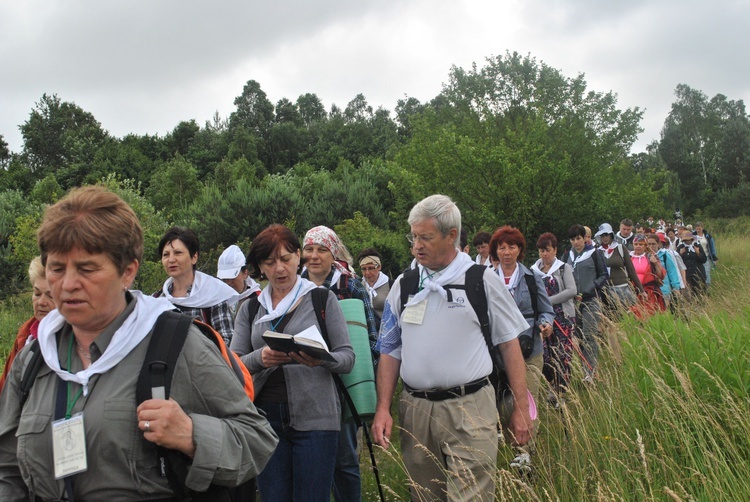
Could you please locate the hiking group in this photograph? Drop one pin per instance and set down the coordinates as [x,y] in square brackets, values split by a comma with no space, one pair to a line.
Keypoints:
[112,394]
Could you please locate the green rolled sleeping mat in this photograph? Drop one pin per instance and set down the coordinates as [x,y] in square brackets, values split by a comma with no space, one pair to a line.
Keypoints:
[360,382]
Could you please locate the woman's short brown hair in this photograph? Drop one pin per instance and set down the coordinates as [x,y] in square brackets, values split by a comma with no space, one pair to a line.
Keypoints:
[507,235]
[95,220]
[265,244]
[547,239]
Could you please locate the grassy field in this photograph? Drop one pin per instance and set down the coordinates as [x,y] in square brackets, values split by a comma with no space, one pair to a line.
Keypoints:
[668,419]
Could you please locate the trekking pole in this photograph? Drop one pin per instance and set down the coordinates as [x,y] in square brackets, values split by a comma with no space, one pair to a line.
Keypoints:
[578,350]
[372,459]
[360,423]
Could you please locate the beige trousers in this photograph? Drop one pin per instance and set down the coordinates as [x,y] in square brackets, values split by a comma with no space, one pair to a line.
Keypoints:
[450,447]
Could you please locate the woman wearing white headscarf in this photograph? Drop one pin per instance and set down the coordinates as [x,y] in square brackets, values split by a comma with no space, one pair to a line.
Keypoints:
[328,264]
[378,284]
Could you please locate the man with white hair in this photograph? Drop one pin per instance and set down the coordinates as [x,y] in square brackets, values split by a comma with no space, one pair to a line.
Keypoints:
[435,343]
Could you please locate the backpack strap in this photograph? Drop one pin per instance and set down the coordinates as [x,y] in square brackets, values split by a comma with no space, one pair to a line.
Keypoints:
[30,372]
[475,293]
[534,293]
[409,285]
[319,299]
[167,340]
[206,315]
[155,380]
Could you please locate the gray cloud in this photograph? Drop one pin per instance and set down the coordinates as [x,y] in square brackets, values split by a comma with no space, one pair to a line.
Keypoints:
[142,66]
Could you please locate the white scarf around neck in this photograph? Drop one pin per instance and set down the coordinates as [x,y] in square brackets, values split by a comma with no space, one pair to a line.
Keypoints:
[586,253]
[456,269]
[486,263]
[300,288]
[206,292]
[512,280]
[126,338]
[555,266]
[382,279]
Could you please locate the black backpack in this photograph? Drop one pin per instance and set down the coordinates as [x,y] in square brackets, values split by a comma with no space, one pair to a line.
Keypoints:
[475,293]
[474,287]
[156,373]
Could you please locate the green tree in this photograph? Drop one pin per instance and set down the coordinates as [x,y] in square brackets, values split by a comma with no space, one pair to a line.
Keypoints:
[174,186]
[358,233]
[228,173]
[14,208]
[181,138]
[4,153]
[154,224]
[706,142]
[47,191]
[59,134]
[311,109]
[516,142]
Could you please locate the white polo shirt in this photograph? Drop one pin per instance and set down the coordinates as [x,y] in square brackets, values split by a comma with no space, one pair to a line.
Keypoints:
[448,349]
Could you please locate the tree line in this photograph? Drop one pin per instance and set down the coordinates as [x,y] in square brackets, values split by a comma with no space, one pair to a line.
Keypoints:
[512,142]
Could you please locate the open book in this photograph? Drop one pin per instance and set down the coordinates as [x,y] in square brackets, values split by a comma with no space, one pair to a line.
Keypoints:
[309,341]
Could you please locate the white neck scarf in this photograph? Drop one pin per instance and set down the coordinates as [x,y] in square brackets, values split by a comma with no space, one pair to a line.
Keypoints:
[206,292]
[457,268]
[512,280]
[575,261]
[608,250]
[298,290]
[252,286]
[382,279]
[486,263]
[555,265]
[126,338]
[335,277]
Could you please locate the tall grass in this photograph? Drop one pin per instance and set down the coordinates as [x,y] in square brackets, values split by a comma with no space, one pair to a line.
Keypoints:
[669,416]
[668,419]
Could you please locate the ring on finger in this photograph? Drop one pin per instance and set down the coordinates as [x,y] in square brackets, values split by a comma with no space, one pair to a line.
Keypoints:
[147,426]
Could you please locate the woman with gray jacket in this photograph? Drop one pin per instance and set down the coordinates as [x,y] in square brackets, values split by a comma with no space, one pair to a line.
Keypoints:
[295,390]
[561,288]
[507,248]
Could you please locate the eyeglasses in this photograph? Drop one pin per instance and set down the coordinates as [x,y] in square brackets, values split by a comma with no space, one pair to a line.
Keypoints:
[368,269]
[414,238]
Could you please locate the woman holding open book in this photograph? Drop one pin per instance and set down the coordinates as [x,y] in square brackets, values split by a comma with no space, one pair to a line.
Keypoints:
[295,390]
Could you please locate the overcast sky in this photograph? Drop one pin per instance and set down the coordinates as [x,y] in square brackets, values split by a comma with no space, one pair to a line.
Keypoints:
[142,66]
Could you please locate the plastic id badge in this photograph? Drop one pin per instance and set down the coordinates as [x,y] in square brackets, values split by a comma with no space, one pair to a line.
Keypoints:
[69,446]
[414,314]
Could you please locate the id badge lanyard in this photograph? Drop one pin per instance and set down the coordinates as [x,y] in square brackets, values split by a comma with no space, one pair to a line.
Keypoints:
[68,436]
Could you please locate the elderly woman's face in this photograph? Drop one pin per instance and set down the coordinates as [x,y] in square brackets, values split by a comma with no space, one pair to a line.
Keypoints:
[87,288]
[41,299]
[508,254]
[639,247]
[371,272]
[281,269]
[548,255]
[319,260]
